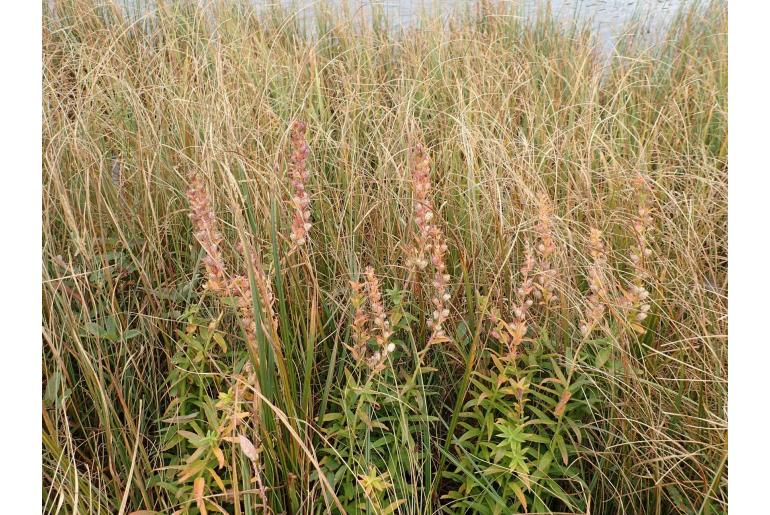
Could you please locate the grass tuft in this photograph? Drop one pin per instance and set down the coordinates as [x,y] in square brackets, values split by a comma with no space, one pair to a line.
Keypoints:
[485,273]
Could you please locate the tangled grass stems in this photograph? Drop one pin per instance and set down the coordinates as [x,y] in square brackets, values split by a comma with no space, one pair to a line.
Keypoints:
[617,341]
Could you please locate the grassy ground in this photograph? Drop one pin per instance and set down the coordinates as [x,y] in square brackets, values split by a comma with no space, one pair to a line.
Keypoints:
[543,327]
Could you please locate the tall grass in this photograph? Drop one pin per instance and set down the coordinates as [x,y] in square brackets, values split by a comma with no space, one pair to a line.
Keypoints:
[575,268]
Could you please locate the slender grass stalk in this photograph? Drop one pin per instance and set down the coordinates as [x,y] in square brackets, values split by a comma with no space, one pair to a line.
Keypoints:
[548,219]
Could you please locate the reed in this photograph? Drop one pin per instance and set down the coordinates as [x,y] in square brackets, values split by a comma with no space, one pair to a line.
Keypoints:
[536,235]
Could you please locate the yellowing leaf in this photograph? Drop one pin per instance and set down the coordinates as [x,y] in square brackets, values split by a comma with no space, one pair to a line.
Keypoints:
[392,507]
[217,480]
[221,341]
[519,494]
[181,418]
[248,448]
[220,456]
[191,470]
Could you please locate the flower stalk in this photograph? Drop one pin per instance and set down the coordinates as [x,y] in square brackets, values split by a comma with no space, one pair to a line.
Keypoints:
[299,175]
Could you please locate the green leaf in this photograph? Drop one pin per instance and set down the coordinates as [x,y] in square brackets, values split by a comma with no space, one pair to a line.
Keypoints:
[221,341]
[519,493]
[602,356]
[131,333]
[559,441]
[392,507]
[95,329]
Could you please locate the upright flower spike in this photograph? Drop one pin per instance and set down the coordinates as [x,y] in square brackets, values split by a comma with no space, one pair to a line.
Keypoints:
[381,323]
[423,207]
[359,327]
[526,285]
[546,248]
[429,246]
[440,288]
[299,176]
[382,331]
[634,302]
[512,334]
[371,324]
[641,226]
[240,288]
[207,233]
[268,299]
[597,285]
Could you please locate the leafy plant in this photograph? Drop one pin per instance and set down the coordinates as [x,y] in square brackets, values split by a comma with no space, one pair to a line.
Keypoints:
[208,416]
[519,436]
[377,439]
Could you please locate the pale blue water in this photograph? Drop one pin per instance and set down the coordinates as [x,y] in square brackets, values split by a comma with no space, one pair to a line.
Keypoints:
[608,18]
[608,15]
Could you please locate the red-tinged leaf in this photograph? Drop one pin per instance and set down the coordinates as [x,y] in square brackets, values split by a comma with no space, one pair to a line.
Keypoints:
[198,487]
[519,494]
[565,396]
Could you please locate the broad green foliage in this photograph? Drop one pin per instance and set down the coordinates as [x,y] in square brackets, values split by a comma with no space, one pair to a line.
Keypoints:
[207,454]
[517,447]
[378,445]
[377,437]
[198,417]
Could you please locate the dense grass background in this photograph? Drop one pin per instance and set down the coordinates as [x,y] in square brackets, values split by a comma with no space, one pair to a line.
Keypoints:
[145,375]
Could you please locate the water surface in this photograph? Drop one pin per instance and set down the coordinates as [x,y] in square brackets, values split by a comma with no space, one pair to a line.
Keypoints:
[608,18]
